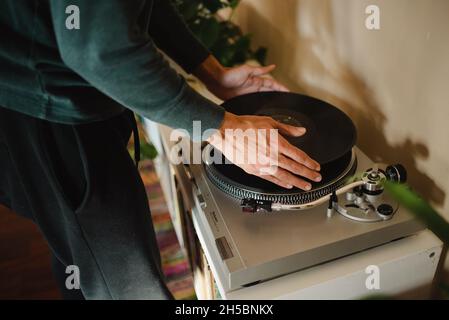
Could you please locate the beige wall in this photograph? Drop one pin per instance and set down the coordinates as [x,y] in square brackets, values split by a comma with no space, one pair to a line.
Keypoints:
[393,82]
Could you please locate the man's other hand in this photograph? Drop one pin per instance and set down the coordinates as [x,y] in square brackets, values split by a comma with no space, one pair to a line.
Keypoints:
[227,83]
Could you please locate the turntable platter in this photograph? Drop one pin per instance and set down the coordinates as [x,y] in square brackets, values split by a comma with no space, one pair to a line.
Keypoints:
[330,132]
[329,140]
[238,177]
[238,184]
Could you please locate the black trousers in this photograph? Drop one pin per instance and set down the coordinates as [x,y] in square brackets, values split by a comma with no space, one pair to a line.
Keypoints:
[80,186]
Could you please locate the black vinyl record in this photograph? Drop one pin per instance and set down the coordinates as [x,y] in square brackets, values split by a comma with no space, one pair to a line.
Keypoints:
[330,132]
[235,176]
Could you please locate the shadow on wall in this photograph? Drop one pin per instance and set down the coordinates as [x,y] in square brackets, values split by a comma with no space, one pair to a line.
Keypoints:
[320,73]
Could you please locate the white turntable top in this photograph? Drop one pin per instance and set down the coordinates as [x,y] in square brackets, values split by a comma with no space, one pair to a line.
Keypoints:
[257,247]
[268,248]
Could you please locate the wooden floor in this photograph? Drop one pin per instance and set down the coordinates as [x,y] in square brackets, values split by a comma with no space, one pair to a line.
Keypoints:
[25,269]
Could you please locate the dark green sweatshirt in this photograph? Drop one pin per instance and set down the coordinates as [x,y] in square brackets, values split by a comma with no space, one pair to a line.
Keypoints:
[112,61]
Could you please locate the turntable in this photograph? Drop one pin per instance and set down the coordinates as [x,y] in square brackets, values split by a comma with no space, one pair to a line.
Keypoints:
[330,139]
[261,231]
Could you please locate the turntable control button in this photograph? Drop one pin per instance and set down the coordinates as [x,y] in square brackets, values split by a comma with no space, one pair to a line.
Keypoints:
[385,209]
[374,176]
[350,196]
[201,200]
[359,200]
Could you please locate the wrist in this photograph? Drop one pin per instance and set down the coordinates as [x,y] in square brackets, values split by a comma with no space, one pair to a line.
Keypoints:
[229,120]
[210,71]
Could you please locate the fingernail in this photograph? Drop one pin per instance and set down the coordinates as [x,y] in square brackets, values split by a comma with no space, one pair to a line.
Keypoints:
[318,179]
[302,130]
[289,186]
[308,187]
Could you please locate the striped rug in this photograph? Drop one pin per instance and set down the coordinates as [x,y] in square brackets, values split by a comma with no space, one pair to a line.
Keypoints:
[174,261]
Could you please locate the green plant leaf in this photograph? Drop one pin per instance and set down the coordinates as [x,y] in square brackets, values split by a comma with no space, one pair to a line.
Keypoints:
[214,5]
[420,209]
[224,38]
[230,30]
[147,151]
[234,3]
[242,49]
[225,55]
[188,9]
[208,31]
[261,55]
[444,288]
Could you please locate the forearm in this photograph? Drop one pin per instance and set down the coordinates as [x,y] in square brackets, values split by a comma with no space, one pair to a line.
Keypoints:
[125,65]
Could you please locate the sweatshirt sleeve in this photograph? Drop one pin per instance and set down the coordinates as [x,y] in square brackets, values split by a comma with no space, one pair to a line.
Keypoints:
[114,52]
[171,35]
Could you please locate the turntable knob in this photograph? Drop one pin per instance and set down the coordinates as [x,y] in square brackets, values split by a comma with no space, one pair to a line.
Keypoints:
[359,200]
[385,210]
[396,173]
[350,196]
[374,176]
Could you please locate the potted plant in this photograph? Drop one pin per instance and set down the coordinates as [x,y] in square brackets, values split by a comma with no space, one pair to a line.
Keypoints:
[217,32]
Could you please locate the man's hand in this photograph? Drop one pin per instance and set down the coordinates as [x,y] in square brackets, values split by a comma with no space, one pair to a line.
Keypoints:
[227,83]
[290,161]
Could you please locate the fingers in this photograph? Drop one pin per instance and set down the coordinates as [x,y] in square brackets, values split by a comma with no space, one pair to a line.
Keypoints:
[288,130]
[296,168]
[276,181]
[269,84]
[288,180]
[265,84]
[297,155]
[260,71]
[255,81]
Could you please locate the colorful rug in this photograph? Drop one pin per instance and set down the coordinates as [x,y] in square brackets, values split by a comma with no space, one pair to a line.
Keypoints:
[174,262]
